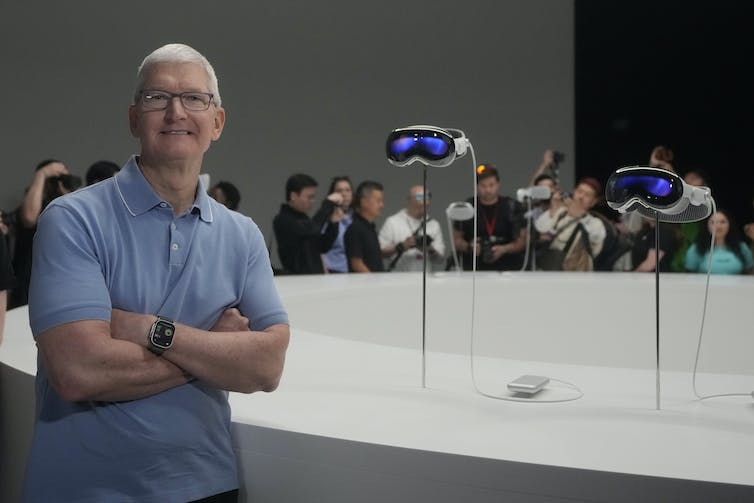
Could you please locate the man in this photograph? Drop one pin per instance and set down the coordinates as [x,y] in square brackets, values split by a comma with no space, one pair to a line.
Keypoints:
[362,243]
[301,240]
[568,224]
[501,234]
[129,277]
[401,236]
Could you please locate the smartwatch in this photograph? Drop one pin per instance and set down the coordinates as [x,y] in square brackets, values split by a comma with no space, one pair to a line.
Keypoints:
[160,336]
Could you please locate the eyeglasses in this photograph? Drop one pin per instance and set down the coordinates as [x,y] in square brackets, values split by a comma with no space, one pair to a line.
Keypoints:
[420,196]
[193,101]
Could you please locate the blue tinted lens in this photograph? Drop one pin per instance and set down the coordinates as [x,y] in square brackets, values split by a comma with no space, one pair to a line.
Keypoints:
[647,185]
[426,145]
[435,146]
[402,145]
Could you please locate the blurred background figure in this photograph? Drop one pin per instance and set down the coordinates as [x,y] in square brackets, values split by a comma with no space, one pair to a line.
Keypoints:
[100,170]
[662,157]
[362,244]
[402,241]
[571,237]
[731,255]
[501,232]
[335,259]
[302,239]
[51,180]
[226,194]
[687,232]
[644,257]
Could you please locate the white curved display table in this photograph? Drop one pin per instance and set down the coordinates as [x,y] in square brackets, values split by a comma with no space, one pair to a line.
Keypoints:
[351,422]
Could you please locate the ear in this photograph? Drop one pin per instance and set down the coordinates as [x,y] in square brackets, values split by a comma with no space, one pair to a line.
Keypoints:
[219,123]
[133,120]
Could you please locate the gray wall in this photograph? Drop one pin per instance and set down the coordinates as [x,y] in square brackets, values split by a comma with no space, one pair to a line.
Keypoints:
[308,87]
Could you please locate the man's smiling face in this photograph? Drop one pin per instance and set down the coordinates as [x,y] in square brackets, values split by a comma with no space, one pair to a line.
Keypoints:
[175,134]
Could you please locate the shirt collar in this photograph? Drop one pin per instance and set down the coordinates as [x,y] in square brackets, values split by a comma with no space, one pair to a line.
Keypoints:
[139,197]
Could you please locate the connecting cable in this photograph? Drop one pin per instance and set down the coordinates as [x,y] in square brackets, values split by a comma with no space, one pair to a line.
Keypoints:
[704,314]
[473,316]
[528,234]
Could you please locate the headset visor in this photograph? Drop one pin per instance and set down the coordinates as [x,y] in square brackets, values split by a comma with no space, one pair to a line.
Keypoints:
[655,187]
[433,147]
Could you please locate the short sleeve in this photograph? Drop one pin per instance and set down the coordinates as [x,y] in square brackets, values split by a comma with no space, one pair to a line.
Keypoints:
[67,283]
[692,259]
[260,301]
[353,243]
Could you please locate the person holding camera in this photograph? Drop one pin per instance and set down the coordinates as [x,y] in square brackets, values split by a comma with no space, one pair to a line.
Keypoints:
[402,240]
[302,239]
[570,237]
[501,232]
[52,179]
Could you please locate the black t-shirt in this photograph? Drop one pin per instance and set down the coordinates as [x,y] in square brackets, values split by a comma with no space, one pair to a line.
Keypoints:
[361,241]
[6,271]
[498,224]
[645,241]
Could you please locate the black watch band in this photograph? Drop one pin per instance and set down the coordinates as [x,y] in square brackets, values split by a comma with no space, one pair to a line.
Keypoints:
[160,336]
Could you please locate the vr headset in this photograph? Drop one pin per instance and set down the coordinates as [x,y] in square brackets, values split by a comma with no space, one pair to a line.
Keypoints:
[429,145]
[654,192]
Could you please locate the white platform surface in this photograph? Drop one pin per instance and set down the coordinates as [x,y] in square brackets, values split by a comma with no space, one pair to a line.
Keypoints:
[354,369]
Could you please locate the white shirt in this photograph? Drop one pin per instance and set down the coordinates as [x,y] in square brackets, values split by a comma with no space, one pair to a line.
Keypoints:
[550,223]
[400,226]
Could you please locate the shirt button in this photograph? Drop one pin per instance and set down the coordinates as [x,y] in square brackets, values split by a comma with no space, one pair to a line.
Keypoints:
[175,246]
[163,205]
[172,226]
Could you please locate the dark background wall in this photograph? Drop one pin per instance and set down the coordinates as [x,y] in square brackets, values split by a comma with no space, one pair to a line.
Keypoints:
[308,87]
[669,72]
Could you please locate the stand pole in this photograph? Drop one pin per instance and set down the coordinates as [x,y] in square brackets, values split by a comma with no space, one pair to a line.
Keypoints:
[657,304]
[424,282]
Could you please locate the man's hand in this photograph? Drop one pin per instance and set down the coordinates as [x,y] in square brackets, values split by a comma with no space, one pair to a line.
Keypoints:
[51,170]
[231,321]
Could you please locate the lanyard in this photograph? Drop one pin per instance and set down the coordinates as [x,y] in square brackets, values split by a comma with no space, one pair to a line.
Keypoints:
[489,225]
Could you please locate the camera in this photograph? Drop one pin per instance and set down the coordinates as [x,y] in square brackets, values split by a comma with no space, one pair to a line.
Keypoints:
[420,240]
[558,157]
[486,244]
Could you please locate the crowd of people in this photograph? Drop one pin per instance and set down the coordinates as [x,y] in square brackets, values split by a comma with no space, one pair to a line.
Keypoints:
[570,230]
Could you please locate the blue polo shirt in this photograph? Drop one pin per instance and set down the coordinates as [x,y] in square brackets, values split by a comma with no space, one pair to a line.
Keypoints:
[116,244]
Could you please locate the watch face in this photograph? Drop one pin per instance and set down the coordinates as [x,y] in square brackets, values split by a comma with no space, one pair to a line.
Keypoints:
[163,334]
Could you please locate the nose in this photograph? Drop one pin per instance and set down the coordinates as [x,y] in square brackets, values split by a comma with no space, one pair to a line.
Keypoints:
[175,109]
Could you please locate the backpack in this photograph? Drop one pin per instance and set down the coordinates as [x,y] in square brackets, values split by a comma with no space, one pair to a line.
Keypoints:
[614,246]
[576,255]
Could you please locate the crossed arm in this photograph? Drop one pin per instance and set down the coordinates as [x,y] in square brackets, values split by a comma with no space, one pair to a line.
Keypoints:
[109,361]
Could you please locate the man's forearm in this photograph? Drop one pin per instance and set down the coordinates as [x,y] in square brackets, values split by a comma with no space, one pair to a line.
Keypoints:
[241,361]
[85,364]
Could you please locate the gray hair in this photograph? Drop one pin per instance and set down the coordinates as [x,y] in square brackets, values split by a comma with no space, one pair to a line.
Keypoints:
[177,53]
